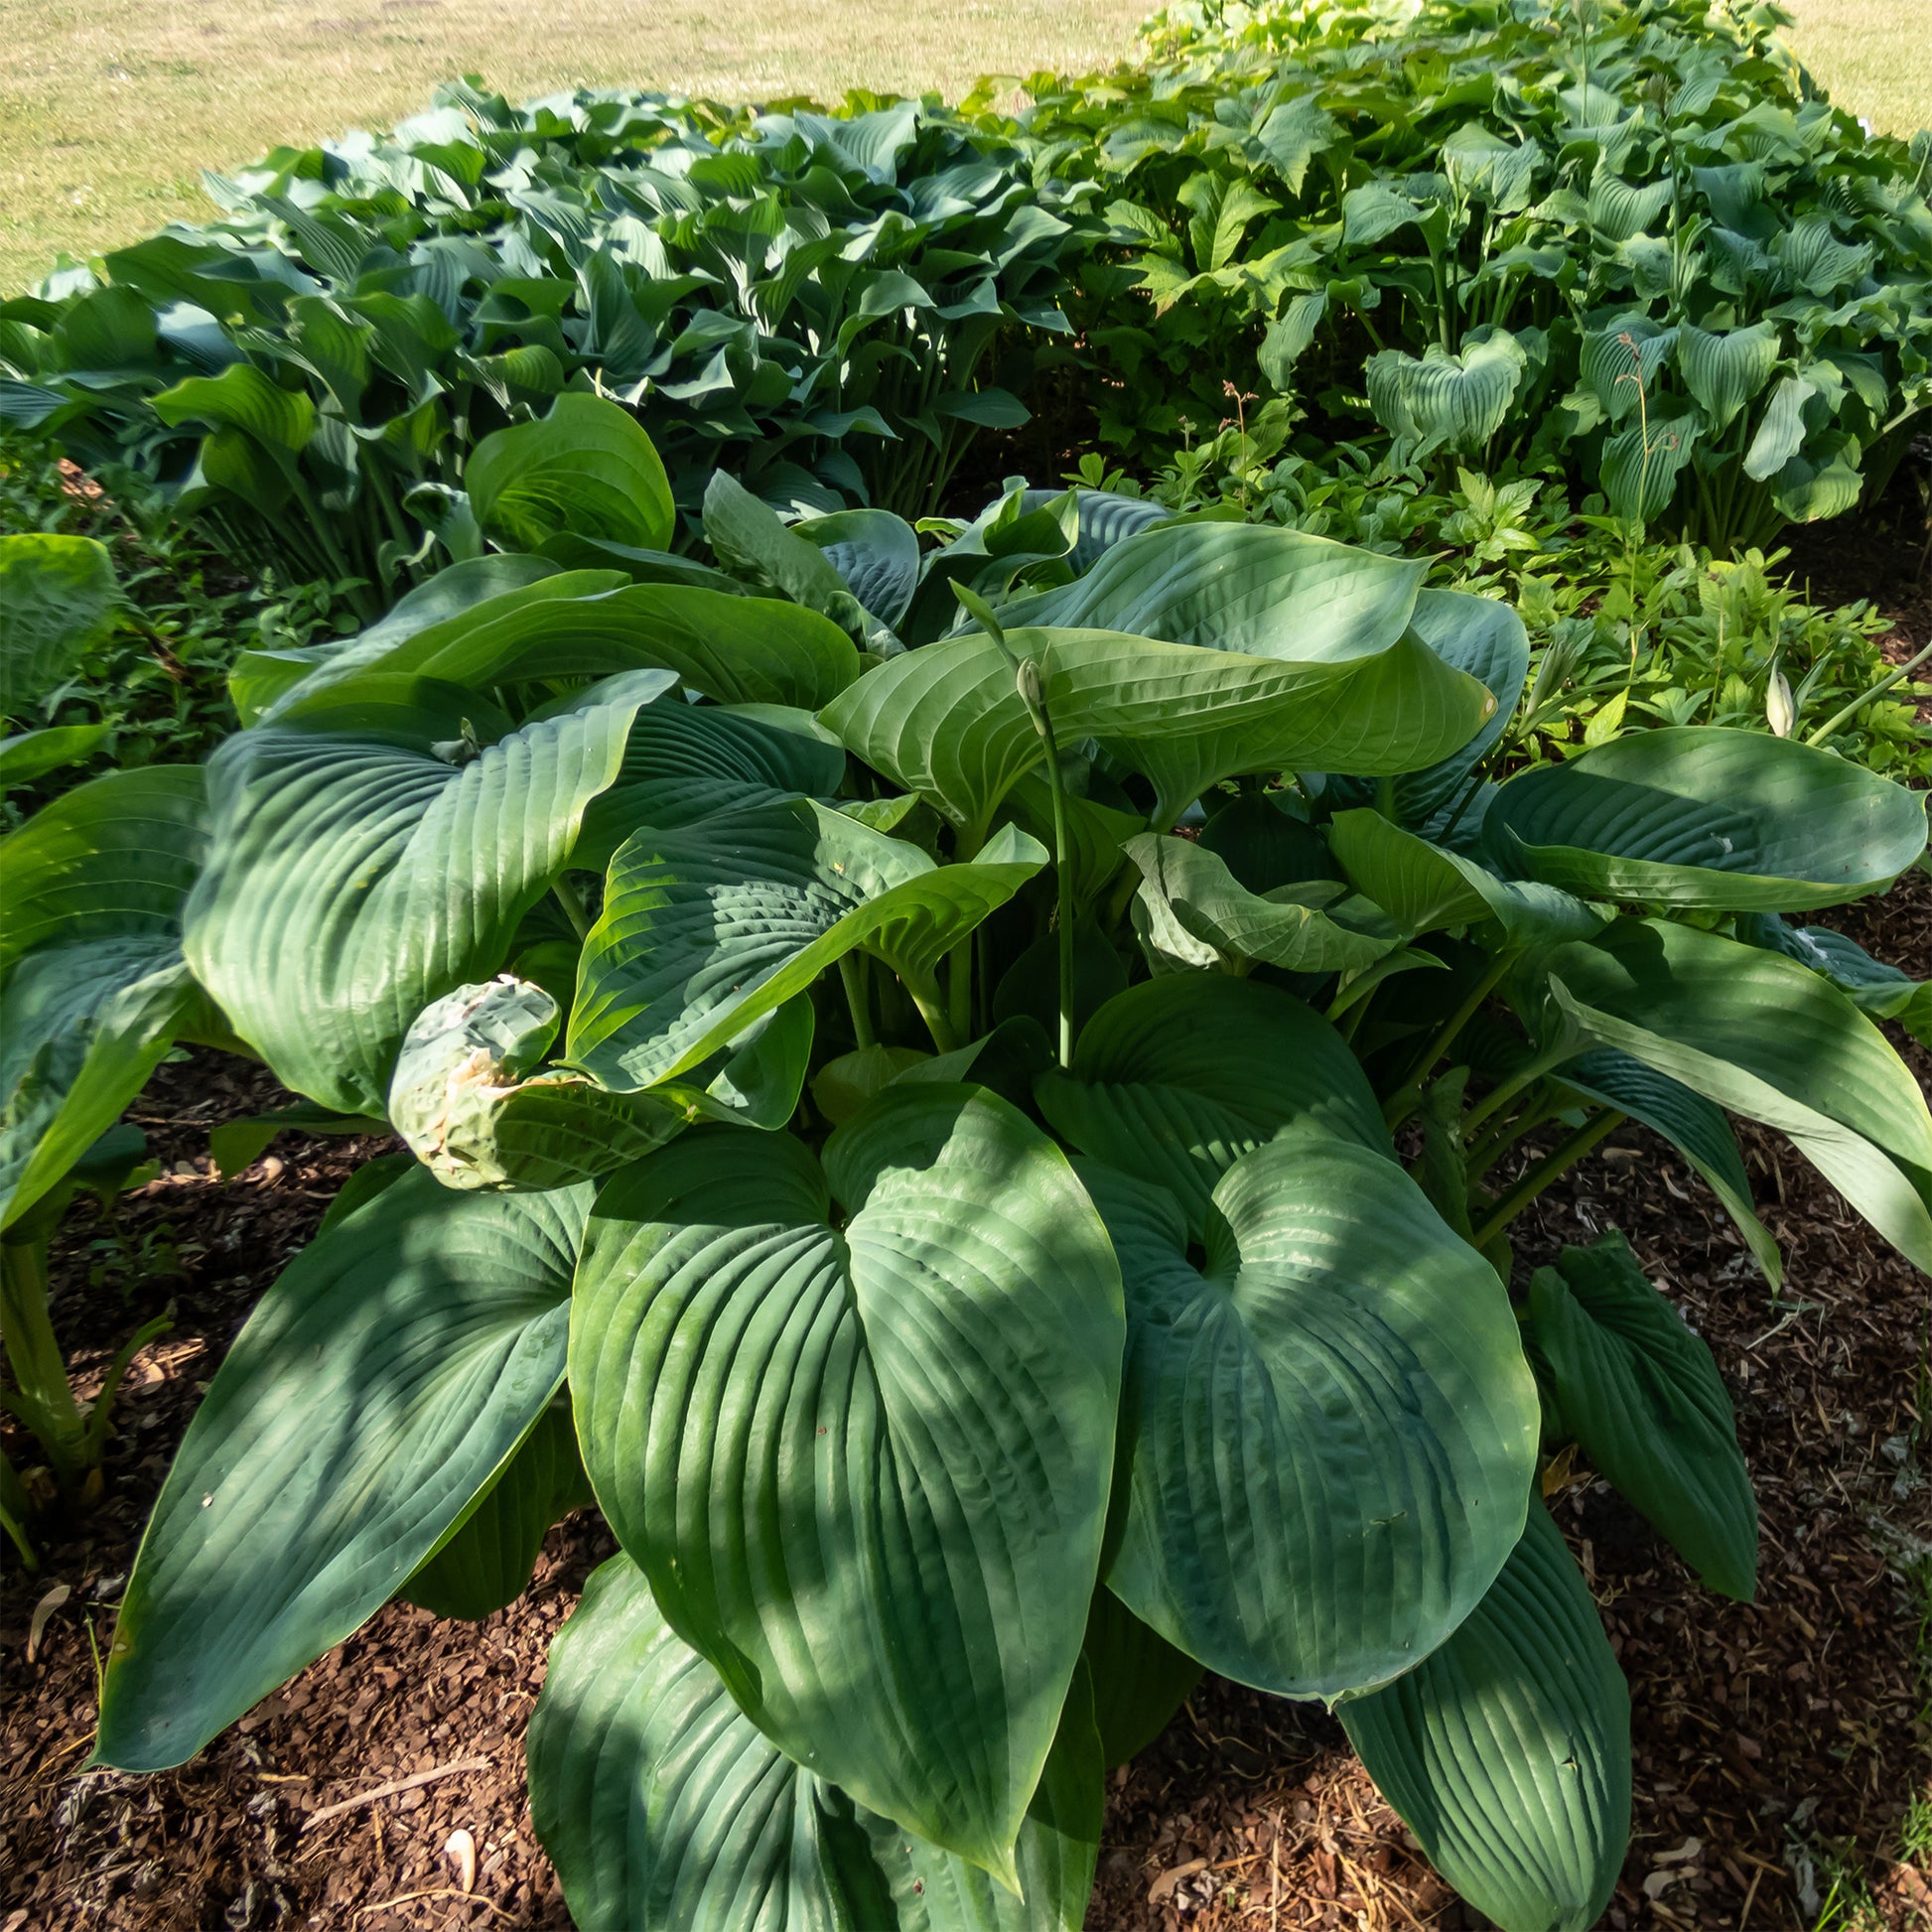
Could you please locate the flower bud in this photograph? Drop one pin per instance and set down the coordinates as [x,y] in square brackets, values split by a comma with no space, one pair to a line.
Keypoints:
[1779,710]
[1031,689]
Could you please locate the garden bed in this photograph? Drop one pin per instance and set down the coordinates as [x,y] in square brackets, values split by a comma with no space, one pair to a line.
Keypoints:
[1775,1743]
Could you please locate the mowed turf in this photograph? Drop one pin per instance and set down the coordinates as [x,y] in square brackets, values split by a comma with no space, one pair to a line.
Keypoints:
[109,113]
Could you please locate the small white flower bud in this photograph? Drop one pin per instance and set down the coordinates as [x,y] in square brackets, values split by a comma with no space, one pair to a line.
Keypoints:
[1779,710]
[1031,689]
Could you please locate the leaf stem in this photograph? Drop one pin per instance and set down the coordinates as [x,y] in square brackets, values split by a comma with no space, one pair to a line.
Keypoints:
[1844,717]
[45,1397]
[852,970]
[572,901]
[1558,1162]
[1401,1103]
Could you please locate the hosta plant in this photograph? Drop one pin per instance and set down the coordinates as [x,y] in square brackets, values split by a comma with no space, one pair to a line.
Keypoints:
[993,1162]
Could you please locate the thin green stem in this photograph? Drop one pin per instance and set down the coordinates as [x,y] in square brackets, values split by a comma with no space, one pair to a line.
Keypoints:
[1401,1103]
[933,1011]
[572,901]
[1558,1162]
[1844,716]
[1500,1096]
[1063,880]
[44,1398]
[15,1508]
[852,970]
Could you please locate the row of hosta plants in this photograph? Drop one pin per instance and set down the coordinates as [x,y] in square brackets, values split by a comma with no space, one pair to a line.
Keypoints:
[1631,236]
[988,1255]
[812,297]
[1624,236]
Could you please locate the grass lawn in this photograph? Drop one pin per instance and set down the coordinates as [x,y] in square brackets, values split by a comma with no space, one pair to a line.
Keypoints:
[108,114]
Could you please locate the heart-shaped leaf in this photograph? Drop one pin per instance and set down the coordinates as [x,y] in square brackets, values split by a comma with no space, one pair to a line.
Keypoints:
[1507,1751]
[876,553]
[382,1382]
[1175,1080]
[662,1804]
[1645,1400]
[311,924]
[1330,1425]
[1698,816]
[705,928]
[865,1468]
[1726,371]
[586,467]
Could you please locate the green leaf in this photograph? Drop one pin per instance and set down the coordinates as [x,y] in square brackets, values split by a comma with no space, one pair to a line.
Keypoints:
[660,1804]
[246,401]
[1445,401]
[1425,888]
[1726,371]
[707,927]
[236,1143]
[1330,1422]
[587,468]
[876,553]
[1641,466]
[583,624]
[752,536]
[1873,987]
[56,598]
[865,1468]
[686,762]
[1249,588]
[1698,816]
[28,756]
[1191,913]
[1781,431]
[1173,1081]
[1695,1007]
[947,721]
[258,678]
[310,926]
[1647,1406]
[382,1382]
[1139,1680]
[1697,1130]
[1507,1751]
[93,989]
[486,1560]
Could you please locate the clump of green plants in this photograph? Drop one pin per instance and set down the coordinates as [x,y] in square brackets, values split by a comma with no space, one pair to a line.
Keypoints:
[1629,238]
[117,631]
[813,299]
[989,1252]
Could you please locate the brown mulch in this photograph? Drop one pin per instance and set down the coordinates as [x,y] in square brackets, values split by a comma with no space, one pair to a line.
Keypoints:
[1770,1738]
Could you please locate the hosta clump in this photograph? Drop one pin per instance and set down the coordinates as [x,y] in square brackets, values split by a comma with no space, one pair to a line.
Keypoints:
[1629,239]
[994,1159]
[809,297]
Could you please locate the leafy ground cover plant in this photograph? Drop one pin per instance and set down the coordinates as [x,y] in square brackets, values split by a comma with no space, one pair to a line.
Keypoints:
[989,1254]
[1629,236]
[807,297]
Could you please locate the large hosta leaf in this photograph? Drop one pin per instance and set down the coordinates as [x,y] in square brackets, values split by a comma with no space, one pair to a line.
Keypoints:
[947,722]
[866,1468]
[1642,1396]
[1508,1750]
[662,1805]
[589,624]
[1192,912]
[1693,1006]
[92,988]
[355,878]
[486,1560]
[705,928]
[1704,817]
[1726,371]
[876,553]
[1175,1080]
[1873,987]
[382,1381]
[1329,1421]
[57,593]
[587,468]
[1251,588]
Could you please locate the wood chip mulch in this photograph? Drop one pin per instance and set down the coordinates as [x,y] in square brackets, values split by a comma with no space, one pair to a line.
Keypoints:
[1778,1745]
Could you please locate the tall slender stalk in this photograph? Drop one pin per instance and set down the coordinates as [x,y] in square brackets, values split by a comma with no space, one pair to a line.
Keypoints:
[1558,1162]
